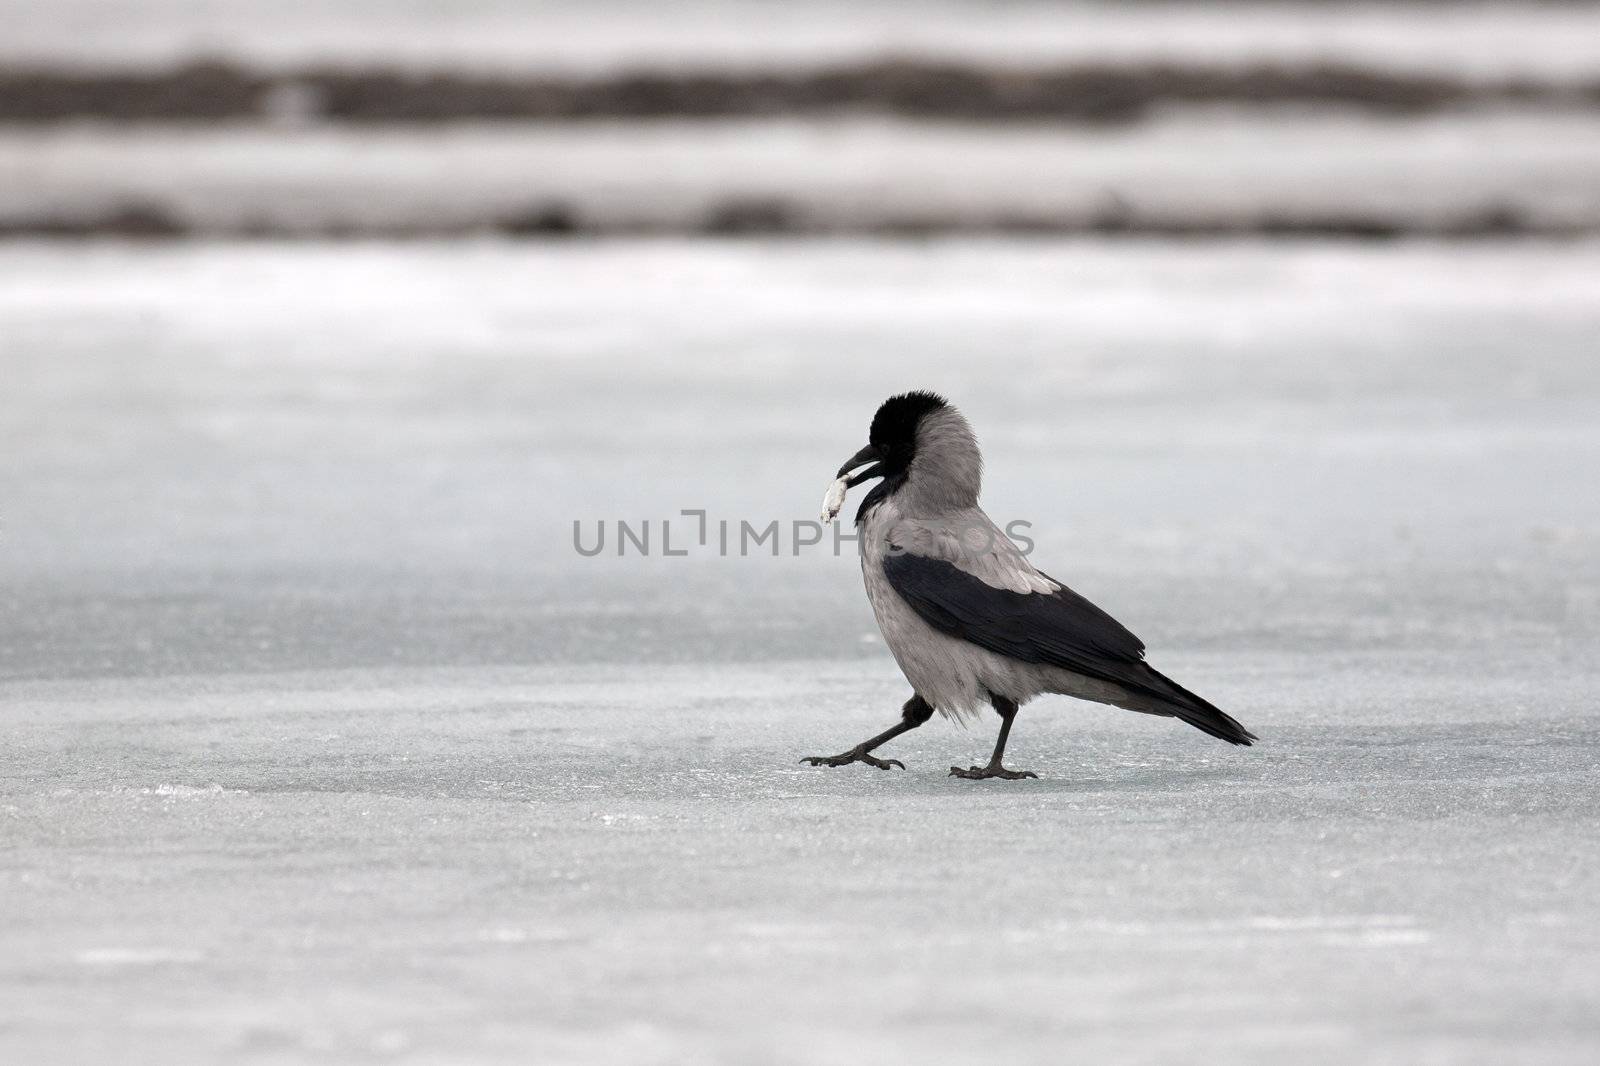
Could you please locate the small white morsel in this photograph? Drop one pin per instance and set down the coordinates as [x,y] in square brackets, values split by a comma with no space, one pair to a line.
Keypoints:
[834,499]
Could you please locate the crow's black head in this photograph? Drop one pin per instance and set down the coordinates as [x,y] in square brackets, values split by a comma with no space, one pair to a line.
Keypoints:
[952,460]
[894,427]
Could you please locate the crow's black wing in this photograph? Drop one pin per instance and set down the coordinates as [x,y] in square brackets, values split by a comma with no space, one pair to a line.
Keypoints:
[1060,629]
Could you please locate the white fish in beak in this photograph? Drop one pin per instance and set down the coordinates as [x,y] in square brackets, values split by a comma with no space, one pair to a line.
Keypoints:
[834,499]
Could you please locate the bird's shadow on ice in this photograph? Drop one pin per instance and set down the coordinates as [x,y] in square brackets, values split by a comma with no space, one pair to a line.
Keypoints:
[1141,781]
[932,783]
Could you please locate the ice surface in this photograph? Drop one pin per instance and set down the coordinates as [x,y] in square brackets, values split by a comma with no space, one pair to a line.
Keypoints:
[626,865]
[324,744]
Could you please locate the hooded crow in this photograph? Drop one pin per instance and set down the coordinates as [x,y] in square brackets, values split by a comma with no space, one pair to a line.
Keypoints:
[968,618]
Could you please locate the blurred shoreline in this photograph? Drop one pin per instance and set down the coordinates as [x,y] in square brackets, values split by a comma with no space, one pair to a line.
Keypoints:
[775,219]
[1089,93]
[364,120]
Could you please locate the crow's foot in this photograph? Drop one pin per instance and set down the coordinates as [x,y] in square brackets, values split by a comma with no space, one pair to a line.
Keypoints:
[853,755]
[978,773]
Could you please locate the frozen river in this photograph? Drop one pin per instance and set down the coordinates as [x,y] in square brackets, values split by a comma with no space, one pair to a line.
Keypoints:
[323,743]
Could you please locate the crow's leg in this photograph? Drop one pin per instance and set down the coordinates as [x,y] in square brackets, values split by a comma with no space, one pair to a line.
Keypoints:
[917,710]
[1007,710]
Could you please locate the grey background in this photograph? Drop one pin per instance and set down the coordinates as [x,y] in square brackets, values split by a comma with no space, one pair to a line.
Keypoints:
[324,745]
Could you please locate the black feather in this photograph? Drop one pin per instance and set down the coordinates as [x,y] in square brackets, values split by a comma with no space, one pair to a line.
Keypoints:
[1060,629]
[894,435]
[895,424]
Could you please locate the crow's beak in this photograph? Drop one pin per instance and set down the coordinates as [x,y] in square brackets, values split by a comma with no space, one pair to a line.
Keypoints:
[869,454]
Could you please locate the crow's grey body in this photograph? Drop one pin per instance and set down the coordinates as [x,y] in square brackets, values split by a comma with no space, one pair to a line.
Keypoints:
[969,620]
[954,675]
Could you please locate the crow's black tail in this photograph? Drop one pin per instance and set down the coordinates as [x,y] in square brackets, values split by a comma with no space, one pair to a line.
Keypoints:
[1181,703]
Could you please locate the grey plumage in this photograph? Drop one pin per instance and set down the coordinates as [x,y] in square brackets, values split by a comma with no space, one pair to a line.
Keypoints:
[968,618]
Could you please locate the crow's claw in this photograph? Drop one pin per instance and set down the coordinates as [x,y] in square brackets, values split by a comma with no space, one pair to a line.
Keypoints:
[854,755]
[978,773]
